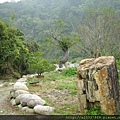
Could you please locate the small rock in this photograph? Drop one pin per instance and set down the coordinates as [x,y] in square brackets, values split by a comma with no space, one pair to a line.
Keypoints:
[20,106]
[43,110]
[22,80]
[53,82]
[13,102]
[11,84]
[28,110]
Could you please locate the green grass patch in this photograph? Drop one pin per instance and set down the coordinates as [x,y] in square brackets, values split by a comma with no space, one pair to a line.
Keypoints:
[73,92]
[67,110]
[119,77]
[95,111]
[53,76]
[34,79]
[118,64]
[57,81]
[70,85]
[70,71]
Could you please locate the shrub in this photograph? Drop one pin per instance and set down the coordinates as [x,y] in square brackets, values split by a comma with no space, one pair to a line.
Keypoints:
[54,61]
[95,111]
[39,65]
[73,61]
[118,64]
[69,71]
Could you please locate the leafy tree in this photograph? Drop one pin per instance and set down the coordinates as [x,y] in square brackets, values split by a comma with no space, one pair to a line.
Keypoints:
[39,65]
[61,37]
[100,31]
[12,51]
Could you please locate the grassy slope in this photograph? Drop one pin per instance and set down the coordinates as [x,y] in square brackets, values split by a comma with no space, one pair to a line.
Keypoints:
[59,92]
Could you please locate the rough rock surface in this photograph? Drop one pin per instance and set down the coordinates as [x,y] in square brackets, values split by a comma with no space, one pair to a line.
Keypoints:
[27,109]
[20,86]
[33,102]
[27,97]
[21,97]
[97,85]
[43,110]
[19,92]
[17,100]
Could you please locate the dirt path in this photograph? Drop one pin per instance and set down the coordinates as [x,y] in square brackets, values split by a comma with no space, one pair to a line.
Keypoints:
[5,106]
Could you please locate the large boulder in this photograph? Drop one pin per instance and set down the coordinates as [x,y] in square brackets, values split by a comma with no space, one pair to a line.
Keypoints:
[20,86]
[33,102]
[19,92]
[17,99]
[27,97]
[97,85]
[43,110]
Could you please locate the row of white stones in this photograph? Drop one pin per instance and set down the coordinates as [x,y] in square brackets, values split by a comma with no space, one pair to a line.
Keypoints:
[30,103]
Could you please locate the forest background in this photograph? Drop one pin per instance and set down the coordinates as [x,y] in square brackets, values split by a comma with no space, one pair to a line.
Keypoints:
[39,32]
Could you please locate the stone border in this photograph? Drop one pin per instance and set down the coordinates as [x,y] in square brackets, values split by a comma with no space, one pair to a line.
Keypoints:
[27,102]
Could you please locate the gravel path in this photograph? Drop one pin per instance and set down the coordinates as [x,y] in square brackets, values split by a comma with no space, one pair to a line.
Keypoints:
[5,106]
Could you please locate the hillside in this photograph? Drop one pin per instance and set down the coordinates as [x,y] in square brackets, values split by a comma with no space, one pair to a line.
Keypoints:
[95,22]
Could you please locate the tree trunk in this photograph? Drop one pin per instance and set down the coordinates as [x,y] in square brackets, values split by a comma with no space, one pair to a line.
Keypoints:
[65,59]
[98,85]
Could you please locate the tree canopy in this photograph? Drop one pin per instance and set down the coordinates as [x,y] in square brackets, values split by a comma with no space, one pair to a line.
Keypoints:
[12,51]
[96,23]
[18,55]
